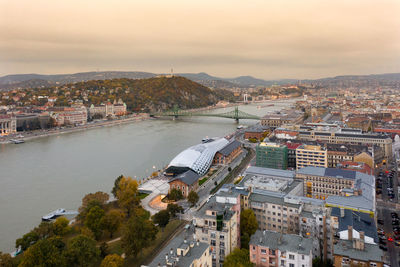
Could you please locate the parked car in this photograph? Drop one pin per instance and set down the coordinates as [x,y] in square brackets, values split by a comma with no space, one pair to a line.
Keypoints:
[381,221]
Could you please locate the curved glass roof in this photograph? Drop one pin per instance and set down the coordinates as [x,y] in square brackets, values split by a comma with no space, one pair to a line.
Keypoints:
[199,157]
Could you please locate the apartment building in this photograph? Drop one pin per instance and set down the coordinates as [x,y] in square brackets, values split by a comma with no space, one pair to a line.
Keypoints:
[311,155]
[217,223]
[269,248]
[322,182]
[343,152]
[272,155]
[356,252]
[316,224]
[184,250]
[348,136]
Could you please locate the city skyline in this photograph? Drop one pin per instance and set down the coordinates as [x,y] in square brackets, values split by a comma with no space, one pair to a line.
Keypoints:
[306,40]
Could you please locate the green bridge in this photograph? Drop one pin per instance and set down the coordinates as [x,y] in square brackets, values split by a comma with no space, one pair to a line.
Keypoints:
[235,114]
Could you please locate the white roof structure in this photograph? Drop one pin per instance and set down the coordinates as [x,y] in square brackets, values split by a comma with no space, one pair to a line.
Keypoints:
[199,157]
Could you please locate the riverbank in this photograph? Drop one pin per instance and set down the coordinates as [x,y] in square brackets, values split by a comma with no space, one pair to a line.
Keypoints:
[106,123]
[91,125]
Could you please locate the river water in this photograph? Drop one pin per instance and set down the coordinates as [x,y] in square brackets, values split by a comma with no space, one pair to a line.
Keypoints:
[54,172]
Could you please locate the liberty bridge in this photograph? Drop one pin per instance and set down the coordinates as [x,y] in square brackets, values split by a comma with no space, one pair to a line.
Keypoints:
[235,114]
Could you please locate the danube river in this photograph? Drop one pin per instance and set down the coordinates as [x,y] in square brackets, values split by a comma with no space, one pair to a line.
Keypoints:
[54,172]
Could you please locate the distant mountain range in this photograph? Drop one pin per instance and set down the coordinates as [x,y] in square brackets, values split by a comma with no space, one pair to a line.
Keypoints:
[38,80]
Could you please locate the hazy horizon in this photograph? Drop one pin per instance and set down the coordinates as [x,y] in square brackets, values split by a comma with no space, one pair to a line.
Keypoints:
[288,39]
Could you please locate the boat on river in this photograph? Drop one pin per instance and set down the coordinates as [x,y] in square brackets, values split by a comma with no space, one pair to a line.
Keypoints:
[57,213]
[17,141]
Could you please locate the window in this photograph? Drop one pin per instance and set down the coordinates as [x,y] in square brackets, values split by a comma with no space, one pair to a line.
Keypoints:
[213,243]
[302,257]
[291,265]
[291,256]
[263,251]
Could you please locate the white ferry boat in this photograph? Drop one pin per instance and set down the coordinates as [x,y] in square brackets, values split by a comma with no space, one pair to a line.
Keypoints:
[53,215]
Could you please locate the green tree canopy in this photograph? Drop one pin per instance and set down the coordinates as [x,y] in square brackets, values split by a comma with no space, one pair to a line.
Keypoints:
[112,260]
[116,185]
[193,197]
[128,195]
[60,226]
[137,234]
[161,218]
[112,221]
[238,258]
[82,251]
[44,253]
[27,240]
[93,221]
[6,260]
[173,209]
[175,194]
[248,226]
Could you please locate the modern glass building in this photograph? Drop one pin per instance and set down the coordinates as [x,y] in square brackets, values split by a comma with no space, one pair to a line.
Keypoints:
[197,158]
[271,155]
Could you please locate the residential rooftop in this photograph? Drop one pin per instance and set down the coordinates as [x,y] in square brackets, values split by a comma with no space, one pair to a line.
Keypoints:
[282,242]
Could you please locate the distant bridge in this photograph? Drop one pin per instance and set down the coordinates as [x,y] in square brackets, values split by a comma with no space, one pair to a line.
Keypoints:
[235,114]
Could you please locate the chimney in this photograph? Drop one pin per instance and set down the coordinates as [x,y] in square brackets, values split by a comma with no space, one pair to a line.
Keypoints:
[166,257]
[342,212]
[350,232]
[171,251]
[362,235]
[261,240]
[198,243]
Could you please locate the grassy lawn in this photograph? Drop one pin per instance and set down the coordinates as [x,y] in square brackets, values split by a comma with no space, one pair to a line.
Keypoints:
[202,181]
[147,254]
[143,195]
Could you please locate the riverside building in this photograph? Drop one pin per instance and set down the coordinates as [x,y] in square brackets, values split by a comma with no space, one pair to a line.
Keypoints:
[8,124]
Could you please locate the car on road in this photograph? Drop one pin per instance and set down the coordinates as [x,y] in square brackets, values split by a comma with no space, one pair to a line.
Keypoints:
[394,222]
[394,215]
[380,221]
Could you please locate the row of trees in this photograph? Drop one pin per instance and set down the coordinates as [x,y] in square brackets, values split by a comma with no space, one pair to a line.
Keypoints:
[83,244]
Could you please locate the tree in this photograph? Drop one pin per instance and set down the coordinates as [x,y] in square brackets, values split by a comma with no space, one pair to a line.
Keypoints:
[137,234]
[238,258]
[89,201]
[193,197]
[112,221]
[103,250]
[248,226]
[27,240]
[99,197]
[93,221]
[175,194]
[82,251]
[44,230]
[60,226]
[112,260]
[116,185]
[43,253]
[6,260]
[173,209]
[128,195]
[161,218]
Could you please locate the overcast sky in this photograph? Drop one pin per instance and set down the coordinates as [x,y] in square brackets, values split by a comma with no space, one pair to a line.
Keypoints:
[269,39]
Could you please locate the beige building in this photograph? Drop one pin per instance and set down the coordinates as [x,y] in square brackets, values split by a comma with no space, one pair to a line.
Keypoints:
[115,109]
[274,214]
[8,124]
[323,182]
[349,136]
[311,155]
[217,223]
